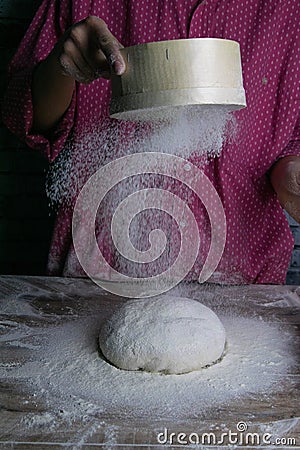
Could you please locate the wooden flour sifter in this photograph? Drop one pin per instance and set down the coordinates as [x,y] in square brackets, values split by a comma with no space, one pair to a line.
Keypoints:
[161,76]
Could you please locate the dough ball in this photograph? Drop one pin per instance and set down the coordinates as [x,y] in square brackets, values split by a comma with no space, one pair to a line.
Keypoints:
[167,334]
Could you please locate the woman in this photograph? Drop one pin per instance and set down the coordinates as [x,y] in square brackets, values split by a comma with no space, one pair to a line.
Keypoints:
[59,91]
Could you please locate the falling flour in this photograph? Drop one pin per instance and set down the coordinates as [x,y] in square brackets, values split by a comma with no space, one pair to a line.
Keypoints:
[186,132]
[193,134]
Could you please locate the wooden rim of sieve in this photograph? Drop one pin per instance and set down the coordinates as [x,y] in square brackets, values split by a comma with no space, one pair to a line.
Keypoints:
[166,74]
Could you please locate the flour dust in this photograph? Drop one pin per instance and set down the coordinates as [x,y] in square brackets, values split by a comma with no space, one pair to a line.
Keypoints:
[196,134]
[188,132]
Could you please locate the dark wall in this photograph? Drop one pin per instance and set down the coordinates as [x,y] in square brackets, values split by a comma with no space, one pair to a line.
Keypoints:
[25,224]
[293,276]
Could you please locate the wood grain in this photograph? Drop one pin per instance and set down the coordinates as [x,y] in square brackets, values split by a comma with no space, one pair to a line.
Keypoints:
[277,413]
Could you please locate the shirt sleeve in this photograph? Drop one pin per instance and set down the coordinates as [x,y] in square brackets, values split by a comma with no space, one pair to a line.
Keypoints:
[293,147]
[50,22]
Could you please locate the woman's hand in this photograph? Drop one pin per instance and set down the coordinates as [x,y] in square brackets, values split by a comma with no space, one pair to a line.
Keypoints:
[285,179]
[88,51]
[85,52]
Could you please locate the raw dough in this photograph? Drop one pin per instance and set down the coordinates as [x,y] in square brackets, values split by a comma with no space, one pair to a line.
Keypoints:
[167,334]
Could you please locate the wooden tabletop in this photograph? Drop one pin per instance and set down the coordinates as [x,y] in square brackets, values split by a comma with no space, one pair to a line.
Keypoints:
[32,306]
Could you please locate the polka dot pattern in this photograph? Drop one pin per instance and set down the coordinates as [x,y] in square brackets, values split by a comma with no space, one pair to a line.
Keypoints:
[259,242]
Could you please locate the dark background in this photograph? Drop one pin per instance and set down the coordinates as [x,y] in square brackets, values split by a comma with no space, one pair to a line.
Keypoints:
[25,220]
[25,223]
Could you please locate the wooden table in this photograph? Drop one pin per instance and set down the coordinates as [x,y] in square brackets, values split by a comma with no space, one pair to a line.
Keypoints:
[35,303]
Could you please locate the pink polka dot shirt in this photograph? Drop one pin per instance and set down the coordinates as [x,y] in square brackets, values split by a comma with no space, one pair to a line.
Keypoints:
[259,243]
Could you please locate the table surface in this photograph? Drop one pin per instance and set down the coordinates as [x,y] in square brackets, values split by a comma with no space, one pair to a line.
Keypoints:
[33,305]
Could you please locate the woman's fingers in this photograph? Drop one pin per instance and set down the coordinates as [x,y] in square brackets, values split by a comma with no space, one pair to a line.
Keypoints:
[74,64]
[89,51]
[108,44]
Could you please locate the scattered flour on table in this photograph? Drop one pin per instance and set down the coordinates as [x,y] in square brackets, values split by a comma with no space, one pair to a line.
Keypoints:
[75,382]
